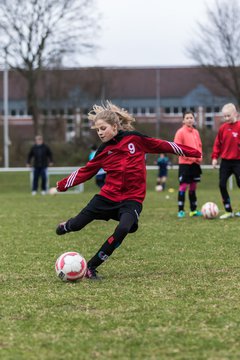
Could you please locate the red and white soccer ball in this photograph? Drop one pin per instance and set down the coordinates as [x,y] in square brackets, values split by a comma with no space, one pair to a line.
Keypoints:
[71,266]
[52,191]
[158,188]
[210,210]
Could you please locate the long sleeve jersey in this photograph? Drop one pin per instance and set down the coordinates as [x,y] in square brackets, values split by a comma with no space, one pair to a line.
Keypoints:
[189,136]
[123,159]
[227,142]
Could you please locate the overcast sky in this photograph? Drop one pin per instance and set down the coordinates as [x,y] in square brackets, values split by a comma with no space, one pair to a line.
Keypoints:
[146,32]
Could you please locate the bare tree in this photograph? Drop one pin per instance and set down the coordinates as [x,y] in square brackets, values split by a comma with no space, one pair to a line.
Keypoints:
[36,34]
[217,44]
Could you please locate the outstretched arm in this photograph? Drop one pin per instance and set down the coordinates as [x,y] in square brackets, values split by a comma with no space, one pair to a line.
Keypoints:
[184,150]
[155,146]
[79,176]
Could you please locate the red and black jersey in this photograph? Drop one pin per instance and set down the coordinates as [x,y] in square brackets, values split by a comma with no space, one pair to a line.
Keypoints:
[123,159]
[227,142]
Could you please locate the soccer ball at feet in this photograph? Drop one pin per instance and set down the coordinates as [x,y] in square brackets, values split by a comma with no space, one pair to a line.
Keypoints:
[210,210]
[71,266]
[52,191]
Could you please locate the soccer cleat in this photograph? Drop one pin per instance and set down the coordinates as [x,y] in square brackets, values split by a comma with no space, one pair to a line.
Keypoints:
[92,274]
[181,214]
[237,214]
[61,229]
[195,213]
[227,215]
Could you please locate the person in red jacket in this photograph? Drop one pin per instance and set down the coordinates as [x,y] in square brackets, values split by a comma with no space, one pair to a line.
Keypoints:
[227,146]
[122,156]
[189,173]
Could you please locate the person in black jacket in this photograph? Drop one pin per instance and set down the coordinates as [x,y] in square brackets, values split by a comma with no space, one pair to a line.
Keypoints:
[42,158]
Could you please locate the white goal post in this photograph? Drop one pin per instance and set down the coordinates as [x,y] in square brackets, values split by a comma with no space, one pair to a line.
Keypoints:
[66,170]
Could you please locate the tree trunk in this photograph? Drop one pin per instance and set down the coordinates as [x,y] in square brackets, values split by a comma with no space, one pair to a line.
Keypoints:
[32,100]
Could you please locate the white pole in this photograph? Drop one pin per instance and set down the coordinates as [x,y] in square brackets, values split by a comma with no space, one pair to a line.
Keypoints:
[158,110]
[78,123]
[5,123]
[200,117]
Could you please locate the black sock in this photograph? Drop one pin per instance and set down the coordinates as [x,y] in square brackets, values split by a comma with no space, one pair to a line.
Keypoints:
[114,241]
[181,200]
[193,200]
[102,255]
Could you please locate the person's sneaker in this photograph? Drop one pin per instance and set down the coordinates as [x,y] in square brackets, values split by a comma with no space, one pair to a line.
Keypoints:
[181,214]
[61,229]
[34,193]
[43,192]
[195,213]
[226,215]
[237,214]
[92,274]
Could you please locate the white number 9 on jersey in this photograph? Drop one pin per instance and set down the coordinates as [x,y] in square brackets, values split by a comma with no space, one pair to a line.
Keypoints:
[131,148]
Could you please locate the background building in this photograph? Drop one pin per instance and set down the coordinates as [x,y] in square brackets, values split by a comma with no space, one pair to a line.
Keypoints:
[156,96]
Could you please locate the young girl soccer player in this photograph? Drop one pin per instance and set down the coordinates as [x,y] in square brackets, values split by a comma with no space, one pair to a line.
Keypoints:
[189,167]
[226,146]
[122,156]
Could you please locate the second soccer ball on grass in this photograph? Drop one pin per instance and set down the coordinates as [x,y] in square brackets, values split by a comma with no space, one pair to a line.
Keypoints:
[210,210]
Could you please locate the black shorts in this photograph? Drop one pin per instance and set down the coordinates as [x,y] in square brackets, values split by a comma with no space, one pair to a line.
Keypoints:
[188,173]
[162,173]
[101,208]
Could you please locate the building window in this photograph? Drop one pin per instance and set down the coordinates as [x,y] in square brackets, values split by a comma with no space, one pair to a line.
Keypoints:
[143,111]
[70,125]
[209,122]
[208,109]
[167,110]
[151,110]
[217,109]
[13,112]
[135,110]
[175,110]
[184,109]
[192,108]
[70,129]
[21,112]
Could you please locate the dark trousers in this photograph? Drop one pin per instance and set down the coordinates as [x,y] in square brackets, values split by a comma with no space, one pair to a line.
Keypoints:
[228,168]
[39,172]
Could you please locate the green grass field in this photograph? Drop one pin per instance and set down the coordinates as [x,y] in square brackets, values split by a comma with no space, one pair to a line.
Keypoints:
[171,291]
